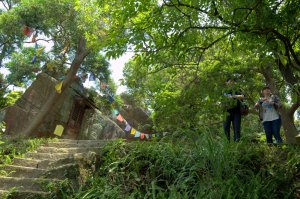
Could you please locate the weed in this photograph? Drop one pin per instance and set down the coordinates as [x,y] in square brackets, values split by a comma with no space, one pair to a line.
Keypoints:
[205,167]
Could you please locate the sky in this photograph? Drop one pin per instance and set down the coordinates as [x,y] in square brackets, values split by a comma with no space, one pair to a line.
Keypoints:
[116,67]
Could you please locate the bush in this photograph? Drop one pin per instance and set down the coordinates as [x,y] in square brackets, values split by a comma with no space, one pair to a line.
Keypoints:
[199,168]
[16,147]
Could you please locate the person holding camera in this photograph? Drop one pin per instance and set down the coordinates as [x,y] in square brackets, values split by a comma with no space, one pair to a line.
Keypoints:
[269,105]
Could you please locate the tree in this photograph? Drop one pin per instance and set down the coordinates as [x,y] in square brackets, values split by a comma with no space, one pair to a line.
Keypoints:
[55,21]
[190,97]
[177,33]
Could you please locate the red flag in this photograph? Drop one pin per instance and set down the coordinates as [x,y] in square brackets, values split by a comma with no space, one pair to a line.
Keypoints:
[27,31]
[120,118]
[103,86]
[142,136]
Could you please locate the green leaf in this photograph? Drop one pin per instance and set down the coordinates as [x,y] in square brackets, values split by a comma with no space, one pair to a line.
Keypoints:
[283,59]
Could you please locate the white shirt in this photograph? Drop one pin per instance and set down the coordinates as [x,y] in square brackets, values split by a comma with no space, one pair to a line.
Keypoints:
[269,112]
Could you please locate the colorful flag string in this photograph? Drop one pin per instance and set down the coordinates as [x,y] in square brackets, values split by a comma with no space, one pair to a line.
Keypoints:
[128,128]
[38,51]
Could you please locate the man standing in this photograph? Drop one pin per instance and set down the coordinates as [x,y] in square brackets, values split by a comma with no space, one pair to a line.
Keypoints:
[233,99]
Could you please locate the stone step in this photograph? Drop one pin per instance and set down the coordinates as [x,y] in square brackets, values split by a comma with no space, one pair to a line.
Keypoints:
[20,171]
[60,162]
[24,194]
[41,164]
[25,184]
[74,144]
[27,162]
[45,149]
[81,141]
[67,171]
[48,156]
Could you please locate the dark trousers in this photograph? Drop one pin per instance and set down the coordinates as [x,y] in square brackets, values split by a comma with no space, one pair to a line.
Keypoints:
[234,117]
[273,128]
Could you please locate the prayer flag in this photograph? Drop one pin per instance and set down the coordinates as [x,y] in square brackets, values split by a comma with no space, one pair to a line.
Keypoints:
[103,85]
[115,111]
[137,134]
[61,78]
[59,129]
[133,131]
[58,87]
[142,136]
[33,59]
[147,136]
[110,92]
[92,77]
[120,118]
[110,99]
[39,51]
[66,48]
[27,31]
[153,135]
[50,67]
[127,128]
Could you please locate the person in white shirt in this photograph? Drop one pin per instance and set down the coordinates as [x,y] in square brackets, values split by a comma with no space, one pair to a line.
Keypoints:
[271,120]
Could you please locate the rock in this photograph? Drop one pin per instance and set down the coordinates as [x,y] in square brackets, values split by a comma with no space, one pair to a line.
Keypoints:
[74,111]
[136,116]
[19,115]
[96,126]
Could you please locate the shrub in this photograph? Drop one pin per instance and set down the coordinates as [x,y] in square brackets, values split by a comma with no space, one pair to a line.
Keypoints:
[205,167]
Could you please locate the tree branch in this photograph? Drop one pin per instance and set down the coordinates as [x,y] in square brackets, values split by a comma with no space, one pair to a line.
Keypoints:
[295,106]
[180,4]
[46,40]
[289,46]
[2,44]
[4,5]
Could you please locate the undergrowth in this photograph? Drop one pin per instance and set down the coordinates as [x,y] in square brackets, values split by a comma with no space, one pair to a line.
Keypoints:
[205,167]
[16,147]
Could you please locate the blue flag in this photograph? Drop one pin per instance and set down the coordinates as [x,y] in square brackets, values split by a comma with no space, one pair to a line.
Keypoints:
[127,128]
[115,111]
[33,59]
[137,134]
[92,77]
[110,99]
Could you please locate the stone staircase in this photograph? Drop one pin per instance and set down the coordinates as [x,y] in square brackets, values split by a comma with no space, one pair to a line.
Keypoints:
[50,163]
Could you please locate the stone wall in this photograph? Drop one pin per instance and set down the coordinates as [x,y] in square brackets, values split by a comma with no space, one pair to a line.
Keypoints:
[19,115]
[96,126]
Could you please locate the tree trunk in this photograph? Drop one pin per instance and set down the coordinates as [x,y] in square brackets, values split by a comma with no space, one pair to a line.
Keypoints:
[81,53]
[287,113]
[288,125]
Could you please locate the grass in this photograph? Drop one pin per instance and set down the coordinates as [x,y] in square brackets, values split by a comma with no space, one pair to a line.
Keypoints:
[206,167]
[184,165]
[17,147]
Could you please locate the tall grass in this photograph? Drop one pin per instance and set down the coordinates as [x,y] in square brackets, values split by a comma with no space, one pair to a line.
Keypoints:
[202,167]
[11,147]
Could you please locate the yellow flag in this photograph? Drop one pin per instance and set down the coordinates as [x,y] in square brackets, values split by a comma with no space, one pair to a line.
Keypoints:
[50,67]
[133,131]
[58,87]
[39,51]
[59,129]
